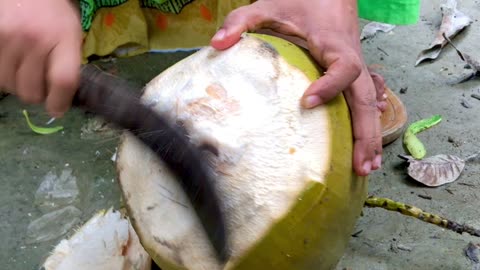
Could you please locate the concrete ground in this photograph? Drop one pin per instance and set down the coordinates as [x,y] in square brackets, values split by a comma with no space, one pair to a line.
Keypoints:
[82,154]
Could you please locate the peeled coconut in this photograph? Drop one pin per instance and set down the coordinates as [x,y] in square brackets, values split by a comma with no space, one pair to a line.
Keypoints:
[105,242]
[284,173]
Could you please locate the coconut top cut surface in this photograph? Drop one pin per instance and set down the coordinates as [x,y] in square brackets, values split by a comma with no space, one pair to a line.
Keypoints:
[271,158]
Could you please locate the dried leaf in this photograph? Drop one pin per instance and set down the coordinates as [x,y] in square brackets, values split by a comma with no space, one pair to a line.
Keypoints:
[372,28]
[436,170]
[471,62]
[472,251]
[453,22]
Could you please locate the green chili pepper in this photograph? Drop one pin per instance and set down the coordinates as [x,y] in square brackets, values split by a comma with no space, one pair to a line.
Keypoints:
[412,143]
[41,130]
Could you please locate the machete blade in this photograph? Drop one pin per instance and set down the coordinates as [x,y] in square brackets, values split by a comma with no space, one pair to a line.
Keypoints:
[118,102]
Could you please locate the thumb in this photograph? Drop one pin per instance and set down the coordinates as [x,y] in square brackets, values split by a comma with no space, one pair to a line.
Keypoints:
[339,76]
[246,18]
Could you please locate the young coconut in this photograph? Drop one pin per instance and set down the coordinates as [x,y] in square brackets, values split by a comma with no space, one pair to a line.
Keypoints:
[106,242]
[284,173]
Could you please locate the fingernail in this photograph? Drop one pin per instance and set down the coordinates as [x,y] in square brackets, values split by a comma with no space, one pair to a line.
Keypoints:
[220,34]
[367,167]
[311,101]
[378,161]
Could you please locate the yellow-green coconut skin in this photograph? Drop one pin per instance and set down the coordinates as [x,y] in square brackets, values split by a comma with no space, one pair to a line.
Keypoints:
[315,232]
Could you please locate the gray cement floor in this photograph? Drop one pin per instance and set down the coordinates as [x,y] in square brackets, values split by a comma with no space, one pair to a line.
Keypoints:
[82,154]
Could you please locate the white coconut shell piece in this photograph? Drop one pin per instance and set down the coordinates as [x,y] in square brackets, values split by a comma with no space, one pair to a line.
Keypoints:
[436,170]
[370,29]
[283,173]
[105,242]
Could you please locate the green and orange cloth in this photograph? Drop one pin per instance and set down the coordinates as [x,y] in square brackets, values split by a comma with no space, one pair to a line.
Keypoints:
[131,27]
[89,7]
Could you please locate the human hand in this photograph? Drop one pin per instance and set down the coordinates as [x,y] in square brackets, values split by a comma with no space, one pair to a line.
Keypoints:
[329,29]
[40,52]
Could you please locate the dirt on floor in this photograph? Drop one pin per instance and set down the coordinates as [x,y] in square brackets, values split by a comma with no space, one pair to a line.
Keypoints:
[80,159]
[388,240]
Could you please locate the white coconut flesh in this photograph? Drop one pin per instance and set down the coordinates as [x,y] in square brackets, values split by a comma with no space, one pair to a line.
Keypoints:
[106,242]
[245,103]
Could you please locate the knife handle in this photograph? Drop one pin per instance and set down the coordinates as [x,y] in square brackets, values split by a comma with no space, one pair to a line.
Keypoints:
[102,93]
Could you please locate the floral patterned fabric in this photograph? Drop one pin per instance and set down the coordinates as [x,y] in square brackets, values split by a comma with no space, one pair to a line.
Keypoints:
[130,27]
[89,7]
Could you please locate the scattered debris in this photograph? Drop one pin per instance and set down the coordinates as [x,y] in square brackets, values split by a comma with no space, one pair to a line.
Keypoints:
[436,170]
[475,96]
[404,247]
[473,158]
[426,197]
[56,191]
[97,127]
[396,247]
[414,146]
[454,142]
[453,22]
[49,122]
[467,184]
[53,225]
[466,104]
[372,28]
[472,251]
[114,156]
[403,90]
[380,49]
[94,124]
[356,234]
[474,64]
[418,213]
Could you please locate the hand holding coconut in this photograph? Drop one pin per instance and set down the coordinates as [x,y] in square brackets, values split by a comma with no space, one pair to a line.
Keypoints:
[40,51]
[329,29]
[40,56]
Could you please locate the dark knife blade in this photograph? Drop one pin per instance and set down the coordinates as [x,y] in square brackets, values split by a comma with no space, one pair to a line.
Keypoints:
[115,100]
